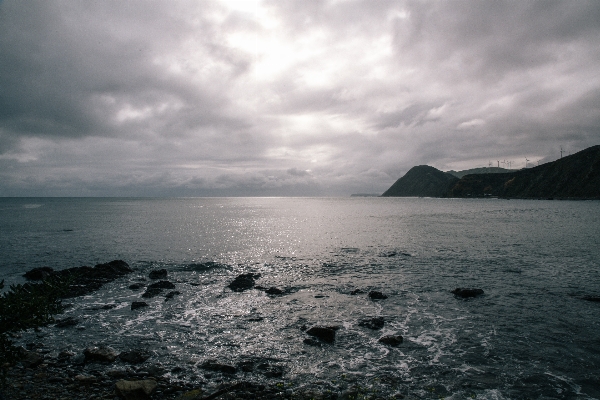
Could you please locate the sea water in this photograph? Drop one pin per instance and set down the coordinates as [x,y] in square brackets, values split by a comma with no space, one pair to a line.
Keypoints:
[531,334]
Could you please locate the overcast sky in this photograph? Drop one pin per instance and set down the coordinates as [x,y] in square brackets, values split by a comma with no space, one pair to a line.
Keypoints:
[278,97]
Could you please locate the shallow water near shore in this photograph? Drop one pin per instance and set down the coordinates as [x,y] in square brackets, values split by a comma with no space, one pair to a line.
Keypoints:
[531,335]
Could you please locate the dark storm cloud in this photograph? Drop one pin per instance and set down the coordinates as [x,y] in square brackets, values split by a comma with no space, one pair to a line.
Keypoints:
[273,97]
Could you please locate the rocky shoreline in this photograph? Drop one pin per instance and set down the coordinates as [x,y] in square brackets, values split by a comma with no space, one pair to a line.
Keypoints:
[101,372]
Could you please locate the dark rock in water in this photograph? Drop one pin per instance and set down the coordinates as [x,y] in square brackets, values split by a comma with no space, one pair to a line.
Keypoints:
[134,356]
[323,333]
[467,292]
[375,295]
[158,274]
[592,298]
[138,304]
[172,294]
[312,342]
[273,291]
[270,371]
[30,359]
[136,286]
[355,292]
[66,322]
[372,323]
[38,274]
[391,340]
[213,365]
[243,282]
[161,285]
[156,288]
[100,354]
[135,390]
[85,280]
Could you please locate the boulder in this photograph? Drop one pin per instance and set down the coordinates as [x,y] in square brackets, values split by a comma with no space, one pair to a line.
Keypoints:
[273,291]
[372,323]
[30,359]
[323,333]
[375,295]
[152,292]
[102,354]
[135,390]
[136,286]
[158,274]
[466,292]
[391,340]
[138,304]
[243,282]
[38,274]
[134,356]
[161,285]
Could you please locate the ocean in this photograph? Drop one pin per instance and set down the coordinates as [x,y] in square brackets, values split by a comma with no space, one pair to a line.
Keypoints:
[531,335]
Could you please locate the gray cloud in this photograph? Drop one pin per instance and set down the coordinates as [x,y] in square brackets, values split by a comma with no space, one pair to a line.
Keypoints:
[243,98]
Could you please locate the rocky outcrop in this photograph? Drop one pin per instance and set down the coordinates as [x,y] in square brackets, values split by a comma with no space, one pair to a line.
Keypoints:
[243,282]
[391,340]
[376,295]
[101,354]
[422,181]
[323,333]
[158,274]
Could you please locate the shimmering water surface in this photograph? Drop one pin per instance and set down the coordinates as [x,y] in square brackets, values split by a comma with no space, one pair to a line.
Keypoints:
[531,335]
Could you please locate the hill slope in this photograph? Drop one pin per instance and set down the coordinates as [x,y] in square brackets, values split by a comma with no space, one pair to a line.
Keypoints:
[422,181]
[574,176]
[484,170]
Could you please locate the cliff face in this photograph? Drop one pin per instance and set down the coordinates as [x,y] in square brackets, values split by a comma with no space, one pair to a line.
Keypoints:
[422,181]
[575,176]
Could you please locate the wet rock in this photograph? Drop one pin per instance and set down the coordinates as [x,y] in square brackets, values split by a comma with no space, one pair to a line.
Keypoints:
[243,282]
[66,322]
[172,294]
[30,359]
[213,365]
[102,354]
[65,354]
[136,286]
[271,371]
[134,356]
[38,274]
[85,280]
[312,342]
[85,379]
[135,390]
[372,323]
[273,291]
[138,304]
[323,333]
[158,274]
[161,285]
[375,295]
[391,340]
[467,292]
[152,292]
[355,292]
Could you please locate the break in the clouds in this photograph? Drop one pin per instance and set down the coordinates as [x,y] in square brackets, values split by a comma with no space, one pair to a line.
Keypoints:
[296,97]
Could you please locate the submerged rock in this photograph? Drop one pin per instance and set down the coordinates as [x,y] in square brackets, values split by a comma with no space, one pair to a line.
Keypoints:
[100,354]
[138,304]
[134,356]
[243,282]
[375,295]
[391,340]
[467,292]
[30,359]
[323,333]
[136,286]
[158,274]
[135,390]
[372,323]
[172,294]
[273,291]
[161,285]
